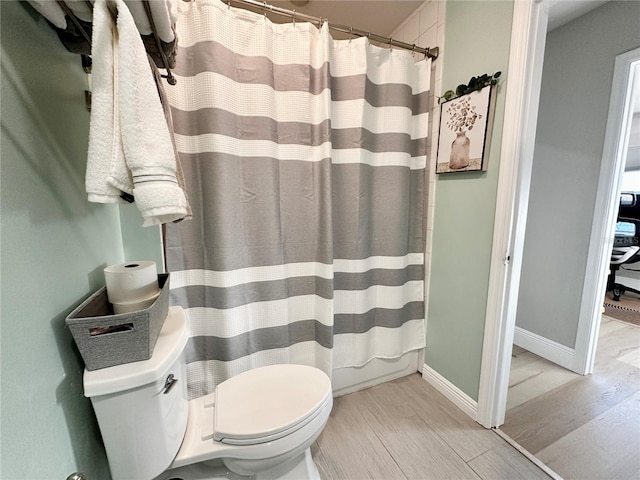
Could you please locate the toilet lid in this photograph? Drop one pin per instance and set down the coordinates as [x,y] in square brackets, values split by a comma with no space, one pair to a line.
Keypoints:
[266,403]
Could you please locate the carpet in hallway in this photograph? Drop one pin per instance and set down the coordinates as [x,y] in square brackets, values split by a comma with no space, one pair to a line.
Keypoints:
[626,309]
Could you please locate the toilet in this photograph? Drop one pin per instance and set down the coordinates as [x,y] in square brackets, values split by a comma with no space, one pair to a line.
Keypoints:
[259,424]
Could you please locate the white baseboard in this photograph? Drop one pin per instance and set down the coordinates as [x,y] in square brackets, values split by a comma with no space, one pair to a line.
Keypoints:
[545,348]
[460,399]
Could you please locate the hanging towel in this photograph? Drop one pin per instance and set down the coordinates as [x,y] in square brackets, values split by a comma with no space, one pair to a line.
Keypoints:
[163,13]
[131,154]
[106,153]
[167,114]
[51,11]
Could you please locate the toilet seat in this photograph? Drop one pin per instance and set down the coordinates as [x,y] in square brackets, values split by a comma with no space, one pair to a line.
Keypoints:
[267,403]
[199,444]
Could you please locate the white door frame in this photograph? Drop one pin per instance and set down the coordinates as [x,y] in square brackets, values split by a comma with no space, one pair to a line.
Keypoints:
[526,54]
[528,38]
[616,144]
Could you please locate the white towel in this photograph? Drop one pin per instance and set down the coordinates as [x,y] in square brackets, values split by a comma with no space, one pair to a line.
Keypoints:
[51,11]
[130,147]
[106,154]
[163,12]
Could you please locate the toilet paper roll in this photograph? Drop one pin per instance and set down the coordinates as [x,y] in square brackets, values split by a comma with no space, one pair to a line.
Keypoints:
[129,307]
[131,282]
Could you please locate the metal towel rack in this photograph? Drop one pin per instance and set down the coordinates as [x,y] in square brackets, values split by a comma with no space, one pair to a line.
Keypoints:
[86,62]
[169,76]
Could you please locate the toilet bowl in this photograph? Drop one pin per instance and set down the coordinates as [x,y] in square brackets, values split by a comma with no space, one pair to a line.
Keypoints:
[259,424]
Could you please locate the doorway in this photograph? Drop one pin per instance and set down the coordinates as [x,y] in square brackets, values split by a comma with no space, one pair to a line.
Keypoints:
[567,420]
[528,45]
[573,198]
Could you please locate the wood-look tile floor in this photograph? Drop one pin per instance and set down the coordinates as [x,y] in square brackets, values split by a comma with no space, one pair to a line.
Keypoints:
[582,427]
[405,429]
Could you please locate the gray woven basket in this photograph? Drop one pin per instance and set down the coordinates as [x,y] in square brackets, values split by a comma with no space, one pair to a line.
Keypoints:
[106,339]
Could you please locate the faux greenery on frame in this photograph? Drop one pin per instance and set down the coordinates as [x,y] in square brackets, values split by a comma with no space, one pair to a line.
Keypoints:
[475,84]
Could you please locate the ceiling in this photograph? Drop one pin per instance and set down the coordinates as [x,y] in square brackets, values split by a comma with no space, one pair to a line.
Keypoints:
[562,12]
[381,17]
[384,16]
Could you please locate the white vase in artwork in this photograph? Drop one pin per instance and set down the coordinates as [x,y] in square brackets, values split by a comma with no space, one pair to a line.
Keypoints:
[459,157]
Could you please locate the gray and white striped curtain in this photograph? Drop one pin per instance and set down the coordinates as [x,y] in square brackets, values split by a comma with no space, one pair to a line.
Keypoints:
[304,159]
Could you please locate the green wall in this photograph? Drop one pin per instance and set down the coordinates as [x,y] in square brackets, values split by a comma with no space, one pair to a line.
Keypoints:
[140,243]
[477,37]
[54,247]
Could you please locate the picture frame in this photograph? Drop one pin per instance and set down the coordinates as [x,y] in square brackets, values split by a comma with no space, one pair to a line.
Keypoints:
[466,123]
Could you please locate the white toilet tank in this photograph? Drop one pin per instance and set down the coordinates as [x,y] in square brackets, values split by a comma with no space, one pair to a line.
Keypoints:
[142,407]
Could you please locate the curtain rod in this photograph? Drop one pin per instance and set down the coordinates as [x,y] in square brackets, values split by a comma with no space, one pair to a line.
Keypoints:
[427,52]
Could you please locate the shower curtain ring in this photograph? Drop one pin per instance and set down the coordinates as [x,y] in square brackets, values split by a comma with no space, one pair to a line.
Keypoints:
[294,17]
[390,43]
[350,33]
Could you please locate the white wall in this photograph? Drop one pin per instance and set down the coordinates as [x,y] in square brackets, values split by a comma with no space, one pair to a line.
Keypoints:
[633,156]
[576,85]
[631,181]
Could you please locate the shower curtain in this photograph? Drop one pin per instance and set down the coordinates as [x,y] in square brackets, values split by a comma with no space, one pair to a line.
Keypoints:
[304,159]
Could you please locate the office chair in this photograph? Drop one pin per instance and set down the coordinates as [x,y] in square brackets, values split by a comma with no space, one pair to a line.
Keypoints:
[626,243]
